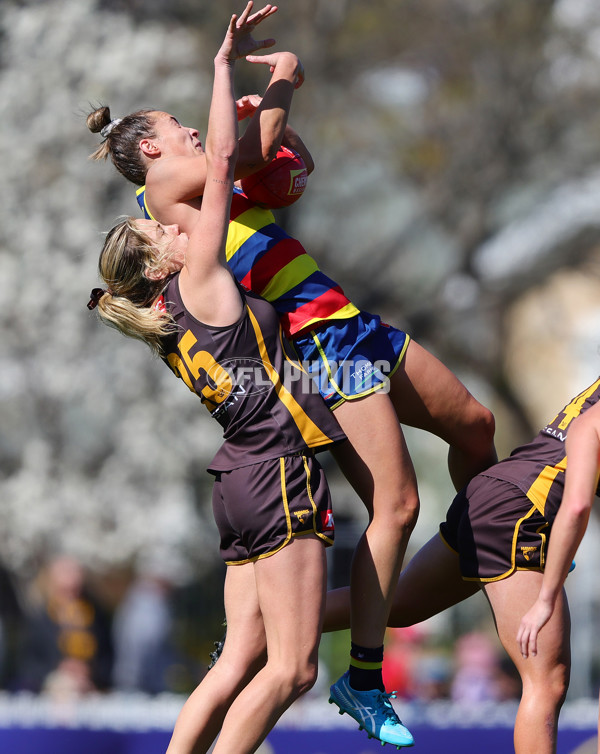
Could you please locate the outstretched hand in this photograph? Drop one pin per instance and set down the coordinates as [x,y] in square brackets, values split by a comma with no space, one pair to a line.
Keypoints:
[239,41]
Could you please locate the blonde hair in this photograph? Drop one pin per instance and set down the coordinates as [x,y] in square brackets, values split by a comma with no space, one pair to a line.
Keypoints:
[121,142]
[128,305]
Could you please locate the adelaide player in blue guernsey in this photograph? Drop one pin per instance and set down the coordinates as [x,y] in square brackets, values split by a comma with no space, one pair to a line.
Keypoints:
[373,376]
[270,499]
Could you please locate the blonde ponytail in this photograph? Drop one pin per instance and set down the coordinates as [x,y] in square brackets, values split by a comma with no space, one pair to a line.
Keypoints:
[129,302]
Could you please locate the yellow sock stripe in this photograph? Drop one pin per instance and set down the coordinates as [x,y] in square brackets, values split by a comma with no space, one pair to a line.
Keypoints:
[362,665]
[312,435]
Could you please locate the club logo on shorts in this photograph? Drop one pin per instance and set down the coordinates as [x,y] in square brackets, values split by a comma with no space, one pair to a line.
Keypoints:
[302,515]
[528,552]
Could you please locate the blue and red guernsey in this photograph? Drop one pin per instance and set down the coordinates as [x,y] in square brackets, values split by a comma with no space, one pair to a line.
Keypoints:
[272,264]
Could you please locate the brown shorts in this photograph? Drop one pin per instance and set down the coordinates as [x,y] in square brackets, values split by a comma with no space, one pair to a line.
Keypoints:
[259,508]
[496,530]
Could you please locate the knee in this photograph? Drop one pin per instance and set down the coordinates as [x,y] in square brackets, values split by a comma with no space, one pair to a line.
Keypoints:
[482,428]
[306,679]
[241,663]
[403,515]
[550,687]
[298,678]
[475,440]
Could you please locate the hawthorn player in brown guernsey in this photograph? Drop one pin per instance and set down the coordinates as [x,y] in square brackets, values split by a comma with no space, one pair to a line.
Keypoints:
[495,538]
[570,524]
[245,375]
[271,502]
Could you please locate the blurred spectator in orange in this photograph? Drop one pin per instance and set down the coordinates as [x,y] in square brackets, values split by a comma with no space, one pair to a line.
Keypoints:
[66,647]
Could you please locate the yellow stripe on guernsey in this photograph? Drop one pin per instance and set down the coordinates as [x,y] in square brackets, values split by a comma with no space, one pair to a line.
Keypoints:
[289,276]
[346,312]
[312,435]
[540,489]
[245,227]
[142,190]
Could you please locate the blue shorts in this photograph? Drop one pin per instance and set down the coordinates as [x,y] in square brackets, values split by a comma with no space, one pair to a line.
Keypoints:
[351,358]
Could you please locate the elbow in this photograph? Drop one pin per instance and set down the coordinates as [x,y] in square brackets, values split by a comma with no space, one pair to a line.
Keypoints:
[577,510]
[224,154]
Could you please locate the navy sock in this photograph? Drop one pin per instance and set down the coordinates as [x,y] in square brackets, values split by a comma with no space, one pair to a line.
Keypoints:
[365,668]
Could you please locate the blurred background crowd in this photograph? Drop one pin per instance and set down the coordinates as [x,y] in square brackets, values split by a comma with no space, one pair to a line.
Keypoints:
[70,634]
[456,192]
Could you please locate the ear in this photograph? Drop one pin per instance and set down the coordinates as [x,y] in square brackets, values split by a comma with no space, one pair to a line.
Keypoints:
[156,274]
[149,148]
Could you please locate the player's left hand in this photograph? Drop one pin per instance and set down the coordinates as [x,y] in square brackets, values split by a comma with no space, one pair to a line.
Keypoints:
[239,41]
[531,624]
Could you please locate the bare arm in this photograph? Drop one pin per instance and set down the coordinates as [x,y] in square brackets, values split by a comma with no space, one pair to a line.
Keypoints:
[206,285]
[247,106]
[581,481]
[267,127]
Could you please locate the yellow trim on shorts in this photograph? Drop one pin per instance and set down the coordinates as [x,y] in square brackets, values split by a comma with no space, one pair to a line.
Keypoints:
[287,540]
[290,535]
[320,535]
[445,541]
[534,509]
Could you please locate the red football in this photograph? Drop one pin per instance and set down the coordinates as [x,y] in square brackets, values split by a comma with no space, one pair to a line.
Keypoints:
[278,184]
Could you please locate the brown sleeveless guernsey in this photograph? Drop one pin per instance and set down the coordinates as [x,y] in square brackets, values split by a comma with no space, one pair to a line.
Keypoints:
[247,377]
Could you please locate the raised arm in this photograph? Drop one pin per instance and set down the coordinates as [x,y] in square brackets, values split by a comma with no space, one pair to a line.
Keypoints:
[581,482]
[267,127]
[207,288]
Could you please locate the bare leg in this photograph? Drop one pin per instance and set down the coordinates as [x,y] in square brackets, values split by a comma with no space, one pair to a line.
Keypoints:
[291,593]
[202,715]
[427,395]
[429,584]
[378,466]
[546,676]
